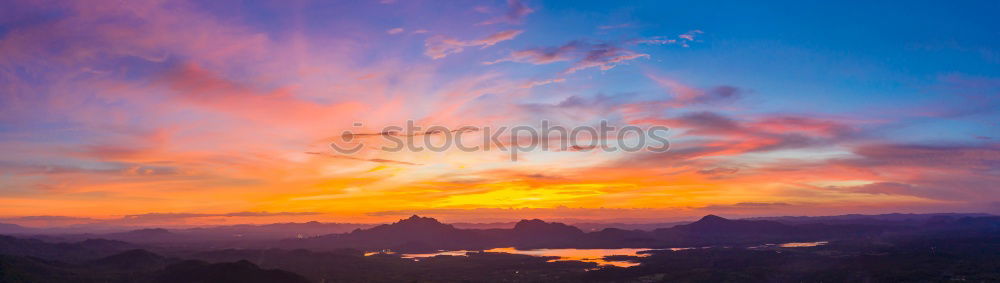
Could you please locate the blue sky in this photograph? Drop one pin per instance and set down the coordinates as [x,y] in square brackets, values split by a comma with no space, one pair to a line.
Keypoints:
[226,106]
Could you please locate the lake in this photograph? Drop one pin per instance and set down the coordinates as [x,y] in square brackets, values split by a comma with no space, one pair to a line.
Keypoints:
[803,244]
[593,255]
[585,255]
[789,245]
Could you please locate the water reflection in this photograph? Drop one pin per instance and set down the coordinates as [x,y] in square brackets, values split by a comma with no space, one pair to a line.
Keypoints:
[598,256]
[585,255]
[789,245]
[380,252]
[452,253]
[803,244]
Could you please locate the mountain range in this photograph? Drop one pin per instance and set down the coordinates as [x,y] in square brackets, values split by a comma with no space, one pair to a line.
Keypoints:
[886,248]
[422,234]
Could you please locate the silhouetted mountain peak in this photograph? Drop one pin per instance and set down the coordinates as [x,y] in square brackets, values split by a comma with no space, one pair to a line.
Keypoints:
[414,224]
[539,226]
[711,219]
[718,225]
[413,234]
[417,220]
[529,222]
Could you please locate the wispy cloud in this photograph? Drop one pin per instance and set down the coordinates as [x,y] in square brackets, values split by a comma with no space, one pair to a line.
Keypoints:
[110,110]
[441,46]
[516,10]
[685,95]
[542,55]
[377,160]
[603,56]
[532,84]
[395,31]
[175,216]
[684,39]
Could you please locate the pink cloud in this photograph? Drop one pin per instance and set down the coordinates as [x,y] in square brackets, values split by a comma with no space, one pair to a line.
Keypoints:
[541,55]
[395,31]
[602,56]
[685,95]
[438,47]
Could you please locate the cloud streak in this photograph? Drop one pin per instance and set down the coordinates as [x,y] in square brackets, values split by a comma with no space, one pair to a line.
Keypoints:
[175,216]
[603,56]
[111,110]
[441,46]
[516,11]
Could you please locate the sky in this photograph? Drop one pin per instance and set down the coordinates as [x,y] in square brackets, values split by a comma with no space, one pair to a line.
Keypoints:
[222,112]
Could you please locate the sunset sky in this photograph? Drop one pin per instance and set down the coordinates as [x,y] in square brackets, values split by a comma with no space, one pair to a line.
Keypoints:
[221,112]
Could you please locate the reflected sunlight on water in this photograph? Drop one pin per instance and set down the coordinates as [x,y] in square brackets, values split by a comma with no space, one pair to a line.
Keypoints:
[789,245]
[452,253]
[590,255]
[585,255]
[803,244]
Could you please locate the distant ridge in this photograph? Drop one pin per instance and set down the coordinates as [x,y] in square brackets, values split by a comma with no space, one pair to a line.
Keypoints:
[137,259]
[6,228]
[714,244]
[711,218]
[715,224]
[411,234]
[427,234]
[868,218]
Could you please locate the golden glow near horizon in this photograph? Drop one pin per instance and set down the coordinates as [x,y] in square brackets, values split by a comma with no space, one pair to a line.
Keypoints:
[175,113]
